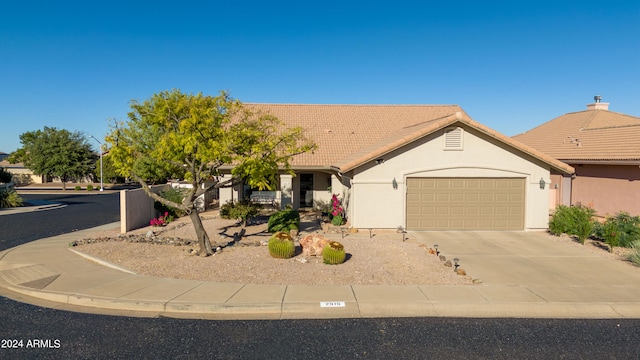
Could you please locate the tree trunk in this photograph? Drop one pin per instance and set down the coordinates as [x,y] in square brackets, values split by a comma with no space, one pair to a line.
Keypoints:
[203,238]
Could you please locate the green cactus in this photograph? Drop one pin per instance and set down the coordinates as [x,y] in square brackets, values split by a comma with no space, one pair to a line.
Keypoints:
[333,253]
[281,245]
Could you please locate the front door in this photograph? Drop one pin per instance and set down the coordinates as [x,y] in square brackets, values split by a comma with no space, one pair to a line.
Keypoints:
[306,190]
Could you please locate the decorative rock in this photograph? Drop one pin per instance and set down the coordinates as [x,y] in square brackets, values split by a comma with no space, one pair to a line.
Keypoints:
[460,271]
[447,263]
[443,258]
[313,244]
[353,230]
[432,251]
[149,234]
[476,281]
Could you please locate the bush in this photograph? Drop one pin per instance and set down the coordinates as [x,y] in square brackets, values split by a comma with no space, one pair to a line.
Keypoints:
[9,198]
[171,194]
[337,220]
[162,220]
[634,255]
[244,211]
[77,187]
[89,187]
[284,220]
[573,220]
[620,230]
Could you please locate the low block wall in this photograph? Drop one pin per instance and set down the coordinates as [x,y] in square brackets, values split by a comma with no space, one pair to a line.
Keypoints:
[136,208]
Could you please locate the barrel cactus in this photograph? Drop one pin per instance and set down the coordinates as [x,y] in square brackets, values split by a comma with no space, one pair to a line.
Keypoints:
[281,245]
[333,253]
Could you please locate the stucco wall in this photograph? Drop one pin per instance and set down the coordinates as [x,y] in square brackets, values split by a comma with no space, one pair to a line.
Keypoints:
[136,208]
[607,188]
[378,205]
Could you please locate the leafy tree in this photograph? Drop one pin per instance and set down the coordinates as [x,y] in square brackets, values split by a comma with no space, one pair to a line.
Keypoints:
[55,153]
[109,173]
[194,136]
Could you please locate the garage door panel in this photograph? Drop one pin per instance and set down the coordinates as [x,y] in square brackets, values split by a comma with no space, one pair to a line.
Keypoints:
[465,203]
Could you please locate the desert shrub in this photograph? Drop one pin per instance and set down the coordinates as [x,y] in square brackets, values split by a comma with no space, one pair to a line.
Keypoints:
[284,220]
[5,176]
[333,253]
[89,187]
[281,245]
[634,255]
[619,230]
[171,194]
[22,179]
[244,211]
[572,220]
[336,215]
[77,187]
[9,198]
[161,220]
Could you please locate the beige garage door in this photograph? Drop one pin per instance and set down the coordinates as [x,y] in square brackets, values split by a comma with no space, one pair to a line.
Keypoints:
[465,203]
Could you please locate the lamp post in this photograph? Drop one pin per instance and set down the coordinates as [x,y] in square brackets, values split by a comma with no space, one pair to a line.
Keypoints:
[101,185]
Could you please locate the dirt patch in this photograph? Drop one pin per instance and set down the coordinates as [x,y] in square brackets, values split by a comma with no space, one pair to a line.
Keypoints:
[384,259]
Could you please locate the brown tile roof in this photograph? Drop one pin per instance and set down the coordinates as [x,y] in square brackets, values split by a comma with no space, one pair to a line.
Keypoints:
[590,135]
[350,135]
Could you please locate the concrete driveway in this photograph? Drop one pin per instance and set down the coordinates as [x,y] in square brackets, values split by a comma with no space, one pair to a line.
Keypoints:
[537,266]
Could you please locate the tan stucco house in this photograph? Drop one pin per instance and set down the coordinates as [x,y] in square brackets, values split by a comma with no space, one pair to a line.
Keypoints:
[419,167]
[604,148]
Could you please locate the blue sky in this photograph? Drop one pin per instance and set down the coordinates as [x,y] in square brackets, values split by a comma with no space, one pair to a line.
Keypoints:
[510,65]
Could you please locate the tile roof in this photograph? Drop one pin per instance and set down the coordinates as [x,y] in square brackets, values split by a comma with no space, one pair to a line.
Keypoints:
[590,135]
[341,130]
[350,135]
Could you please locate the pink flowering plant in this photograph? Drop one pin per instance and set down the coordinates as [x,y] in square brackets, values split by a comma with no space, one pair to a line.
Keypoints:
[337,212]
[162,220]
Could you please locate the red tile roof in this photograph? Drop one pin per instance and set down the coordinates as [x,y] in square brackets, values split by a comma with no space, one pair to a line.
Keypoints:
[590,135]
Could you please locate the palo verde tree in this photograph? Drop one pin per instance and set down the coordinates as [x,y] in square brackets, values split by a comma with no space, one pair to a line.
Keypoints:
[56,153]
[193,136]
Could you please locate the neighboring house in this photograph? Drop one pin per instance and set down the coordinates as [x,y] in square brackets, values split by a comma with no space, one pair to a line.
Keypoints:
[21,174]
[3,155]
[604,148]
[419,167]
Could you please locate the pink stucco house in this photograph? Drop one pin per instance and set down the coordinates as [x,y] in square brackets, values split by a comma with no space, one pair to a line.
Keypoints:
[604,148]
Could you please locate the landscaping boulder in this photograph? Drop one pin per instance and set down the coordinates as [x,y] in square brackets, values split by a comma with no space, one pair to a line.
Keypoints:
[313,244]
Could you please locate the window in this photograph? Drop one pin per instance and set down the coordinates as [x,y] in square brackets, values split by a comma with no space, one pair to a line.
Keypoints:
[453,138]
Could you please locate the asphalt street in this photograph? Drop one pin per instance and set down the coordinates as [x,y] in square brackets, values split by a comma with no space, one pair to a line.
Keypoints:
[83,211]
[76,335]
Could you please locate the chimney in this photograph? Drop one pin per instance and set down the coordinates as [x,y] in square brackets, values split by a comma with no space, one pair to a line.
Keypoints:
[598,105]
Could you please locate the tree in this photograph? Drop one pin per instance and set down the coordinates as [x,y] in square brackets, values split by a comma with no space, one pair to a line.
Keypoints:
[55,153]
[193,136]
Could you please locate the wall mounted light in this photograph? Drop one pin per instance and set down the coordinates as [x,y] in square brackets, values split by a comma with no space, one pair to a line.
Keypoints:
[542,183]
[394,183]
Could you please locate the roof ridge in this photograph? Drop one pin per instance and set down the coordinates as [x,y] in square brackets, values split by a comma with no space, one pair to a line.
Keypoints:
[355,105]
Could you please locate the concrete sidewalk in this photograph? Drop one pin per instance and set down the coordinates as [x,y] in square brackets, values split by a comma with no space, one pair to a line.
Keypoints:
[524,276]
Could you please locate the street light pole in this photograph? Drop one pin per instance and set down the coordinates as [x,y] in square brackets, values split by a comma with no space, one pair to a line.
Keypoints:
[101,184]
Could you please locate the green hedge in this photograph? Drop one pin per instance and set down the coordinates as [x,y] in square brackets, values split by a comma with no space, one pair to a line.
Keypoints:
[284,220]
[573,220]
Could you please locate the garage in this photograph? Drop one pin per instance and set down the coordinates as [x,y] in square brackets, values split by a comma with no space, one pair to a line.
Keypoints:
[465,203]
